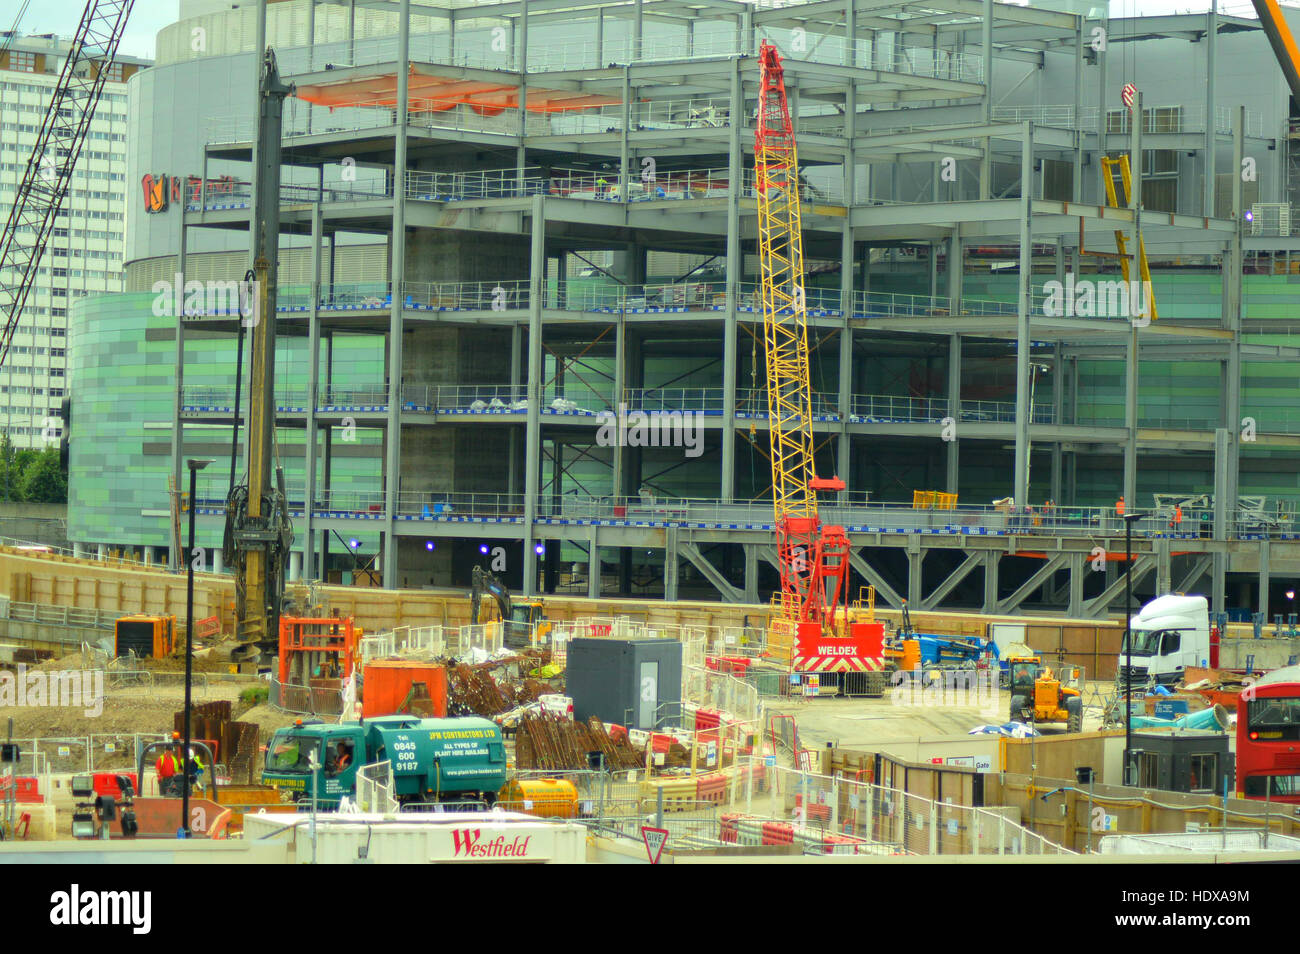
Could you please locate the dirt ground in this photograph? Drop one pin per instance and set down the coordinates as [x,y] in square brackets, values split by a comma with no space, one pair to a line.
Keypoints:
[859,723]
[127,709]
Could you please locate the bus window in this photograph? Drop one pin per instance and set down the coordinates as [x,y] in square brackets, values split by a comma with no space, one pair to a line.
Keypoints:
[1272,786]
[1274,720]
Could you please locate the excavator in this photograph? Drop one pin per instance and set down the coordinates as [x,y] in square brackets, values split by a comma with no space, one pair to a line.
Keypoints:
[524,622]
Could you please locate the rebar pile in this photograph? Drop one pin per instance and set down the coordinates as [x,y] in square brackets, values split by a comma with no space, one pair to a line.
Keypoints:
[543,742]
[474,690]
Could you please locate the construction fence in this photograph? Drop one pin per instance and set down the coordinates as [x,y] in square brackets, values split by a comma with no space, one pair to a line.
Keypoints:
[694,638]
[71,755]
[1056,808]
[721,692]
[305,700]
[757,803]
[404,641]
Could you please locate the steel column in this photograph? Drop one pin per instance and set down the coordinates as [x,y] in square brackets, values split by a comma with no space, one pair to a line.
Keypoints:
[1021,490]
[397,270]
[313,376]
[735,265]
[533,434]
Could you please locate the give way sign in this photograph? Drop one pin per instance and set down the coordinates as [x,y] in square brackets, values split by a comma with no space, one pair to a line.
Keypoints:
[654,842]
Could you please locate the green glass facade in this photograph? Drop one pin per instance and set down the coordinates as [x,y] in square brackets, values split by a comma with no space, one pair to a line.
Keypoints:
[122,359]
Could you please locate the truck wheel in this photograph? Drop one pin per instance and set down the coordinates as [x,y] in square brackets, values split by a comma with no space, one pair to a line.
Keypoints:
[1074,717]
[876,683]
[1018,705]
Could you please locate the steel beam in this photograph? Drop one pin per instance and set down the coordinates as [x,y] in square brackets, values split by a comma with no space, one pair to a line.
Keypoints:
[735,266]
[940,592]
[1264,548]
[1143,565]
[533,434]
[992,560]
[1020,488]
[1201,565]
[871,575]
[1036,580]
[730,594]
[313,376]
[397,271]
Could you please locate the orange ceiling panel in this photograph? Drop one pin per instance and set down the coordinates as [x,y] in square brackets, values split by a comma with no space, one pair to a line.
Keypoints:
[430,92]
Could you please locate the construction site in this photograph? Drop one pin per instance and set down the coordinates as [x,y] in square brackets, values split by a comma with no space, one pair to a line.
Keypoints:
[520,431]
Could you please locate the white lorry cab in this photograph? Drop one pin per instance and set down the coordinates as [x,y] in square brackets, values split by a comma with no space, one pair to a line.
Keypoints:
[1169,634]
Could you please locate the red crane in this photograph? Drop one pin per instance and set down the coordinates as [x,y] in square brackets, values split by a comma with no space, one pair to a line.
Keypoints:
[813,557]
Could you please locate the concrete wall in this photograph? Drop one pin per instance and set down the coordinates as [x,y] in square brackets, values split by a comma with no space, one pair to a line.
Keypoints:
[89,584]
[35,522]
[447,255]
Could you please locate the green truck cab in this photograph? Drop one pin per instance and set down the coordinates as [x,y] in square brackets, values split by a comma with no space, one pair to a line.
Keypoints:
[433,760]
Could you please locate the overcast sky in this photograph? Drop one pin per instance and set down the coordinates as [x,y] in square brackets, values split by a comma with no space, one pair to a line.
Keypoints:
[149,16]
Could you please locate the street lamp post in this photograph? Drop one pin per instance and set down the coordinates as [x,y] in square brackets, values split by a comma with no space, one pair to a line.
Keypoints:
[1129,518]
[195,465]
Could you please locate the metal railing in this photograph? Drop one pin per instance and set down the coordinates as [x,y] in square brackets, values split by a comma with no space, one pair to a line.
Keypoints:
[719,690]
[857,515]
[485,184]
[879,819]
[609,297]
[374,788]
[493,49]
[404,641]
[56,755]
[55,615]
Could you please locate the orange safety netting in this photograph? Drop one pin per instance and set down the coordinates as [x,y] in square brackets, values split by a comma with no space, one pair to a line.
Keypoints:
[428,92]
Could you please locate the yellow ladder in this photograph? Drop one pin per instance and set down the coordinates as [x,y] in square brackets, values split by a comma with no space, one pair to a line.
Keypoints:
[1121,245]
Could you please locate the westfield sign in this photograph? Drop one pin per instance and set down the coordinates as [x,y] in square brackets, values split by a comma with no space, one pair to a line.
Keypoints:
[469,843]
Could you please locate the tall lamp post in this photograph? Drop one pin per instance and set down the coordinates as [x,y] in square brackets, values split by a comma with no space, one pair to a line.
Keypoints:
[1129,774]
[195,465]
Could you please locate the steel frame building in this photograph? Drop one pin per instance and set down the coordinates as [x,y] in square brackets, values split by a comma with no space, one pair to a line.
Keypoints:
[481,267]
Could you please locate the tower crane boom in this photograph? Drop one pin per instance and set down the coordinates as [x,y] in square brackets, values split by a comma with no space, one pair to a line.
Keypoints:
[47,177]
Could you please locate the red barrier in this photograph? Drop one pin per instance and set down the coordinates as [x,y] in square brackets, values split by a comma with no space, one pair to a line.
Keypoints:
[106,783]
[778,833]
[730,665]
[707,719]
[711,788]
[27,791]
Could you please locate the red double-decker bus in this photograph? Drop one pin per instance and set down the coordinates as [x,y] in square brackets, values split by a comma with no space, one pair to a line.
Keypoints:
[1268,737]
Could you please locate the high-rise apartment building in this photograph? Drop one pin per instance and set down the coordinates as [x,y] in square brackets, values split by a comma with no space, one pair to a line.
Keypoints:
[84,256]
